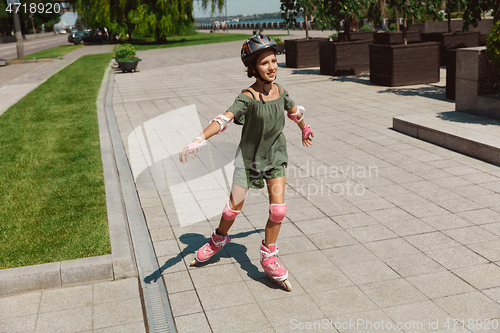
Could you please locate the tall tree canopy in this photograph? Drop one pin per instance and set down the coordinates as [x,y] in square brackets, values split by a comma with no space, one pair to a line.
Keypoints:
[290,9]
[333,12]
[157,18]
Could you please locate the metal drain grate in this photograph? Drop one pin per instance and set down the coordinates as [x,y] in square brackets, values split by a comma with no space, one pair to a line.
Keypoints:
[158,312]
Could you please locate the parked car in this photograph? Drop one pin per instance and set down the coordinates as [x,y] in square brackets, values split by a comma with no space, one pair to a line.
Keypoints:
[76,37]
[93,38]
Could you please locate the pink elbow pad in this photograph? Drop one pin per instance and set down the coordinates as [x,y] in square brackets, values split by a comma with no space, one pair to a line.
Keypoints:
[294,116]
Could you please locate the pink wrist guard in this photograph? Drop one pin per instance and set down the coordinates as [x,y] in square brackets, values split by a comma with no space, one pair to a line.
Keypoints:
[306,132]
[194,146]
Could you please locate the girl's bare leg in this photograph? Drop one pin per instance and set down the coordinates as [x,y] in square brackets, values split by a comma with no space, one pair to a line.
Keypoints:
[276,190]
[236,200]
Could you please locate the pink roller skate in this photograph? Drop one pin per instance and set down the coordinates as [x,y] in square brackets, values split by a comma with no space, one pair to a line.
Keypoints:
[272,267]
[207,251]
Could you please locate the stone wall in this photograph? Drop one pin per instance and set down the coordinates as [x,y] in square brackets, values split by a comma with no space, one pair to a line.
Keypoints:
[477,83]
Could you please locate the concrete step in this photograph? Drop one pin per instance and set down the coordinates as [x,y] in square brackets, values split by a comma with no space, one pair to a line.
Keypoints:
[472,135]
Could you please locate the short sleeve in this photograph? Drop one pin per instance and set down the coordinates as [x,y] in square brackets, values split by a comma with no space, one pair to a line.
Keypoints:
[289,103]
[239,109]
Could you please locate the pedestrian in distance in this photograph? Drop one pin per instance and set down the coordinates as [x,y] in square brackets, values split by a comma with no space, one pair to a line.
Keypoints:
[261,156]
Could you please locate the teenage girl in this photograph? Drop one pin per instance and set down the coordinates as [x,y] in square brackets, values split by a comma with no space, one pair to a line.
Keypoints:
[261,156]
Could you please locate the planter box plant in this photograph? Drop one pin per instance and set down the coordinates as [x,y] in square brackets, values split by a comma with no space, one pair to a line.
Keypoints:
[345,58]
[281,45]
[126,58]
[301,53]
[400,65]
[450,40]
[356,35]
[393,37]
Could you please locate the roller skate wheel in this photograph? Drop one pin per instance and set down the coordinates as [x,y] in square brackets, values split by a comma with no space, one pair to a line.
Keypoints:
[194,262]
[287,285]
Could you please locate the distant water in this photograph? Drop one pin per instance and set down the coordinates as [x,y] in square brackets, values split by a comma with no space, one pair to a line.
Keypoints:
[256,21]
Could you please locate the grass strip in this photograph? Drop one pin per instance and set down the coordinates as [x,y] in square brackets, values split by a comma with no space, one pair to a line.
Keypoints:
[53,52]
[53,203]
[197,39]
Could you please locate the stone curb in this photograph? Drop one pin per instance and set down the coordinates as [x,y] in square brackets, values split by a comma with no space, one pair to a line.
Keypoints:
[120,264]
[468,140]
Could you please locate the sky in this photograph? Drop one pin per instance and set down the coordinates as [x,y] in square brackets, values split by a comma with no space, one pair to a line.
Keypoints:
[241,7]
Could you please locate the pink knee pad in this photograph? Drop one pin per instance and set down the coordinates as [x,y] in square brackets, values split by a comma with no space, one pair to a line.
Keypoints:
[277,212]
[229,214]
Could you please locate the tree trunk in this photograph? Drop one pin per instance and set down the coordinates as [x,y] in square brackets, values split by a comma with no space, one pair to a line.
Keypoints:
[397,18]
[448,4]
[306,24]
[405,30]
[347,28]
[496,11]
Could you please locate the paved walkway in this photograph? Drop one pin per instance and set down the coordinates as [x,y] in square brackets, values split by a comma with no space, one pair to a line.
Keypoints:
[16,81]
[381,227]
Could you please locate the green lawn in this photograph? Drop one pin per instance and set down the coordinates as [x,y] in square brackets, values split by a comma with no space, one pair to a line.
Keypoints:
[53,203]
[54,52]
[196,39]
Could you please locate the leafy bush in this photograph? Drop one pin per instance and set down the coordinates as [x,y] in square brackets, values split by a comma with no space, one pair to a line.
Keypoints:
[393,27]
[493,44]
[128,58]
[365,28]
[278,41]
[124,51]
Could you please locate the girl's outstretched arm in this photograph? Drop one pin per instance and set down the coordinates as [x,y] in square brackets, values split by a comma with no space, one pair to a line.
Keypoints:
[216,126]
[297,115]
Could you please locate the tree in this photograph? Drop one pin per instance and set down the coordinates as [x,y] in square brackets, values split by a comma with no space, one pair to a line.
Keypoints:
[415,9]
[163,18]
[452,6]
[94,13]
[333,12]
[214,4]
[474,10]
[290,9]
[39,17]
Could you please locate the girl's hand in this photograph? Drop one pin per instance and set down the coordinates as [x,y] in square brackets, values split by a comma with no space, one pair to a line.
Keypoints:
[306,142]
[192,148]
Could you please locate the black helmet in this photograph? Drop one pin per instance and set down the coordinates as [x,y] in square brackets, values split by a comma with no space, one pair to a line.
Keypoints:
[254,45]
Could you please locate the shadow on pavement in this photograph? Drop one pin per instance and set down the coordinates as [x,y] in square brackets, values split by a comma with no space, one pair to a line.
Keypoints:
[434,92]
[466,118]
[231,250]
[360,78]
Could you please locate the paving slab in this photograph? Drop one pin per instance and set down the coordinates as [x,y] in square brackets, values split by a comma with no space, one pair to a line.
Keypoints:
[111,306]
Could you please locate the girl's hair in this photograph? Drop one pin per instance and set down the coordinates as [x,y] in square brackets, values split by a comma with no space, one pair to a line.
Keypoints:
[252,66]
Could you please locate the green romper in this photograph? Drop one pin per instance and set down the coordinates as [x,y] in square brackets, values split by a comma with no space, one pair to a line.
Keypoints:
[261,153]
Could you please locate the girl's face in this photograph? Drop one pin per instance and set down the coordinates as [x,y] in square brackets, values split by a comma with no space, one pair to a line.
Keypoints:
[267,65]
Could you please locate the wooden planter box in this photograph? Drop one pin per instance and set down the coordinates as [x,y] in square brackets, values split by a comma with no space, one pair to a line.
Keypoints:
[301,53]
[401,65]
[357,35]
[345,58]
[394,38]
[281,48]
[451,73]
[451,40]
